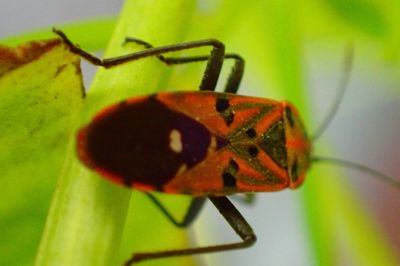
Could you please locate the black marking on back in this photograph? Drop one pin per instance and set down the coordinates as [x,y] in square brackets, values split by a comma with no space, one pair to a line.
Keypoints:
[253,151]
[228,175]
[229,118]
[251,133]
[273,142]
[133,142]
[223,107]
[222,104]
[229,179]
[246,143]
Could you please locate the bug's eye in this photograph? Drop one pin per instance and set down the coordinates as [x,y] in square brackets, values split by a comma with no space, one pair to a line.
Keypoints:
[289,115]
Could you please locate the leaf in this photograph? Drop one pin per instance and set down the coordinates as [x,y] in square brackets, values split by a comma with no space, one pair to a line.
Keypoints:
[40,93]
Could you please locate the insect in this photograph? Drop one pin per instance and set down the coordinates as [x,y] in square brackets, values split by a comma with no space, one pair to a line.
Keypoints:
[201,143]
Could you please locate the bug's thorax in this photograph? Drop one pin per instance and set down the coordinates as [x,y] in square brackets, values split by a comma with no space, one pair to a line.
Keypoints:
[298,145]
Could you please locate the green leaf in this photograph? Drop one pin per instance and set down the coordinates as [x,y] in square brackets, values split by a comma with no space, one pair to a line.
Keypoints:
[40,93]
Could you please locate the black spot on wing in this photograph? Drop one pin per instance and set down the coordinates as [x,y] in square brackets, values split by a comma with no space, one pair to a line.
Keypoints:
[228,175]
[133,142]
[229,180]
[222,106]
[253,151]
[251,133]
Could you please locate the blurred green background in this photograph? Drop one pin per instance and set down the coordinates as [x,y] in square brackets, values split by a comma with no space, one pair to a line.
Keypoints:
[293,50]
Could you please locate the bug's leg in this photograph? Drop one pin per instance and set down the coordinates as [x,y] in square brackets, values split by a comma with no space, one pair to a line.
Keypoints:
[231,215]
[233,82]
[211,73]
[191,214]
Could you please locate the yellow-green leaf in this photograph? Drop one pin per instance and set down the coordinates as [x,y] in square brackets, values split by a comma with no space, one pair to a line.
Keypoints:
[40,93]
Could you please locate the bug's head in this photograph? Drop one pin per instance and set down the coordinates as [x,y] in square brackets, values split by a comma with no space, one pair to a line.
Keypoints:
[298,145]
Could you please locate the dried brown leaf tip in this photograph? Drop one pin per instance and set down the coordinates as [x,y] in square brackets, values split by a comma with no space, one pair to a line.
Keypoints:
[11,58]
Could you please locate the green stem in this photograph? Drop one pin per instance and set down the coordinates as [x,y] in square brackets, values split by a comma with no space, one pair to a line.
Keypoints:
[87,216]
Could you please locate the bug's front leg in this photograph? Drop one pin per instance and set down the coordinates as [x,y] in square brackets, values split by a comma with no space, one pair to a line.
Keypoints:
[211,74]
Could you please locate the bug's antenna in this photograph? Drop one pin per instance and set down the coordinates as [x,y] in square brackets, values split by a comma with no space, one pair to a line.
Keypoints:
[359,167]
[347,66]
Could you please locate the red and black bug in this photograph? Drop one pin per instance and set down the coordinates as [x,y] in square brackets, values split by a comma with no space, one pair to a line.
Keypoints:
[202,143]
[205,144]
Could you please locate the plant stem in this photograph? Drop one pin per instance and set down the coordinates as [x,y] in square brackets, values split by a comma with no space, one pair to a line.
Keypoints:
[87,216]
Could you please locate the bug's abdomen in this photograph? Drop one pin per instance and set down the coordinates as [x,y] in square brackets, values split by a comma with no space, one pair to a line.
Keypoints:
[143,143]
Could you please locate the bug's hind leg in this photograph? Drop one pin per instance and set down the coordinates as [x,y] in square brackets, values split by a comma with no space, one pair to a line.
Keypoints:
[231,215]
[191,214]
[233,82]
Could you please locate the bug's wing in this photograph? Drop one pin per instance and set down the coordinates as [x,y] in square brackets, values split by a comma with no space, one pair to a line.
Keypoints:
[223,173]
[204,108]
